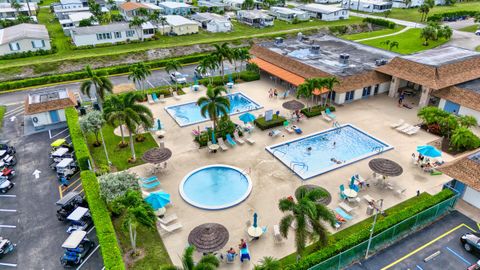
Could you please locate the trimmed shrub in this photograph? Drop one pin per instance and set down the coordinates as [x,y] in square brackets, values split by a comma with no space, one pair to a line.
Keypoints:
[338,29]
[451,16]
[246,76]
[380,22]
[315,110]
[79,143]
[275,122]
[360,232]
[225,126]
[28,54]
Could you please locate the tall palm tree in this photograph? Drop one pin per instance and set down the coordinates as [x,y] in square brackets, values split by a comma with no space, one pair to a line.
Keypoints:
[123,110]
[424,9]
[306,89]
[330,83]
[214,104]
[235,54]
[212,63]
[139,73]
[163,21]
[136,23]
[244,56]
[306,212]
[207,262]
[204,65]
[172,65]
[99,81]
[223,53]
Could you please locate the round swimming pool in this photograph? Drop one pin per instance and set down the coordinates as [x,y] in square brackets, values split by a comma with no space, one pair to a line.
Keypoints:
[215,187]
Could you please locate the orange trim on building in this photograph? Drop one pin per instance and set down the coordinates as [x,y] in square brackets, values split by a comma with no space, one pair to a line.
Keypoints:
[278,72]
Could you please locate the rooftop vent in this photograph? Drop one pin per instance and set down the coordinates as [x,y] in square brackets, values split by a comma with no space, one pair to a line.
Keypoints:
[381,62]
[343,59]
[315,49]
[278,40]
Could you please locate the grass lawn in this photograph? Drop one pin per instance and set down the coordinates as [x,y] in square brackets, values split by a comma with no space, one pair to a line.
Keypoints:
[373,33]
[3,109]
[118,156]
[409,42]
[241,31]
[471,28]
[477,49]
[412,14]
[148,240]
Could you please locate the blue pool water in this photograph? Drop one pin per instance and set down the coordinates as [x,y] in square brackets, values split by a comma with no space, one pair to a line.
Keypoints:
[215,187]
[351,145]
[189,113]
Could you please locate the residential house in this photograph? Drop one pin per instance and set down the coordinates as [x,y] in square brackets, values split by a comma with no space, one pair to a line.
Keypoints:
[173,8]
[414,3]
[255,18]
[213,22]
[179,26]
[328,1]
[111,33]
[23,38]
[63,14]
[238,4]
[7,12]
[325,12]
[374,6]
[129,10]
[20,1]
[48,107]
[288,14]
[68,4]
[74,21]
[212,5]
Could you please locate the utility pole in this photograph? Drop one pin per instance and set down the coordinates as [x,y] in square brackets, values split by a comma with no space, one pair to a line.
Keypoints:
[377,210]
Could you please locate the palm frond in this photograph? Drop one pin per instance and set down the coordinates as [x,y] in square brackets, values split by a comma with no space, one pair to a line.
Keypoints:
[285,223]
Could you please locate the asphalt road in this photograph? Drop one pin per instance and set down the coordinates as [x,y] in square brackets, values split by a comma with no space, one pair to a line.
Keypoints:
[28,210]
[442,236]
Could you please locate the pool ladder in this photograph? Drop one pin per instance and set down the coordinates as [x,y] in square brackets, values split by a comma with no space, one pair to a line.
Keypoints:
[377,149]
[246,171]
[297,163]
[278,150]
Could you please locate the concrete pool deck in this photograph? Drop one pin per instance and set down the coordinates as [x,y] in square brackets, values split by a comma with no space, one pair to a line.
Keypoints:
[272,180]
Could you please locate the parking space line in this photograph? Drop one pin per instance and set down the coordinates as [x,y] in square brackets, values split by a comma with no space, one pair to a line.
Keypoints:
[8,226]
[88,257]
[8,196]
[14,111]
[60,191]
[426,245]
[89,231]
[459,256]
[418,267]
[8,210]
[50,133]
[9,264]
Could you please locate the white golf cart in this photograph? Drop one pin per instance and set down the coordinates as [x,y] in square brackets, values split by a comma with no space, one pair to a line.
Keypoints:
[80,219]
[66,168]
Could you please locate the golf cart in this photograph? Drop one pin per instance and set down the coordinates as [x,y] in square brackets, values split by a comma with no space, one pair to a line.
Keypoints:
[6,247]
[77,247]
[5,149]
[60,154]
[66,168]
[7,173]
[80,219]
[8,161]
[68,203]
[5,185]
[61,143]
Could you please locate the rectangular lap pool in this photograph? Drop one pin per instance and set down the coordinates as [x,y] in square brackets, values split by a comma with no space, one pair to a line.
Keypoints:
[189,113]
[327,150]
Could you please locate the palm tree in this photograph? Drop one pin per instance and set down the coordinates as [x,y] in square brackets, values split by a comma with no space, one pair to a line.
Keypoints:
[212,63]
[139,73]
[222,53]
[424,10]
[137,24]
[235,54]
[428,33]
[123,110]
[214,104]
[163,21]
[306,212]
[329,83]
[407,3]
[305,90]
[268,263]
[244,56]
[172,65]
[203,65]
[207,262]
[445,32]
[100,82]
[15,5]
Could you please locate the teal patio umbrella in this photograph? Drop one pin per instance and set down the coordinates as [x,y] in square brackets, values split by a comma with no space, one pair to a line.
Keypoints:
[158,199]
[214,141]
[247,117]
[255,220]
[429,151]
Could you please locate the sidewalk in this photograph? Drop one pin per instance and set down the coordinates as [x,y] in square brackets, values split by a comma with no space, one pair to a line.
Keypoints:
[387,35]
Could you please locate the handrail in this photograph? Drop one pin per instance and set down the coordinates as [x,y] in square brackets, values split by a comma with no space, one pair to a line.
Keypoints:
[294,163]
[278,150]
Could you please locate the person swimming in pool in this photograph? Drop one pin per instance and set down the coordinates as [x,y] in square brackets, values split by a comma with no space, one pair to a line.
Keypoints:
[334,144]
[335,160]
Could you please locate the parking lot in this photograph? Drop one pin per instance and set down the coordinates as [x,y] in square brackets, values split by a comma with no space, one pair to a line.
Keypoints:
[28,210]
[435,247]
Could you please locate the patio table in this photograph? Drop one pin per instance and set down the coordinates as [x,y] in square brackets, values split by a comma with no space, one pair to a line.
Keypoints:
[213,147]
[350,193]
[255,232]
[160,134]
[161,211]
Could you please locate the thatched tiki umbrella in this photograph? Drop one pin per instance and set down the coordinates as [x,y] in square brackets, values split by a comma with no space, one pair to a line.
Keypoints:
[208,237]
[293,105]
[157,155]
[385,167]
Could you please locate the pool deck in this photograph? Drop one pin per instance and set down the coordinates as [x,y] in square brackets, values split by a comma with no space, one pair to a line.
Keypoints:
[272,180]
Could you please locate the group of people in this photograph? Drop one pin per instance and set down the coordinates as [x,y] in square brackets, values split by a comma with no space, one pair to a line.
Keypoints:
[425,163]
[273,93]
[244,253]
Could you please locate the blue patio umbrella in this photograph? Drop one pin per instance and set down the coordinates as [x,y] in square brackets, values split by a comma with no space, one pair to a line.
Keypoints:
[247,117]
[429,151]
[255,217]
[159,124]
[352,181]
[230,79]
[158,199]
[214,141]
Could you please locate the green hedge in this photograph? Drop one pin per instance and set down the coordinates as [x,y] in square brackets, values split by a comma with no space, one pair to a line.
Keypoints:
[315,110]
[360,232]
[275,122]
[246,76]
[107,239]
[79,143]
[452,15]
[10,85]
[380,22]
[28,54]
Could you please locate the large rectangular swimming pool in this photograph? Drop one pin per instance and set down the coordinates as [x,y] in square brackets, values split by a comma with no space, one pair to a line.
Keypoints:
[327,150]
[189,113]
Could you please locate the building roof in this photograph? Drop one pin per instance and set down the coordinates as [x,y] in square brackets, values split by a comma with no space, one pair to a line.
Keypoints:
[462,95]
[319,8]
[78,16]
[173,5]
[48,101]
[67,2]
[177,20]
[375,2]
[22,31]
[284,10]
[278,72]
[206,17]
[465,169]
[436,68]
[128,6]
[7,7]
[89,30]
[210,4]
[253,14]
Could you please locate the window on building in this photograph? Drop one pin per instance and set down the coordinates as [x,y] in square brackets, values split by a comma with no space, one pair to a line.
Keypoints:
[335,13]
[366,91]
[349,95]
[118,34]
[38,44]
[103,36]
[14,46]
[130,33]
[148,31]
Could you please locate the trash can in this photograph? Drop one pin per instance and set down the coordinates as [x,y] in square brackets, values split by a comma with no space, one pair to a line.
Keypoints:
[369,210]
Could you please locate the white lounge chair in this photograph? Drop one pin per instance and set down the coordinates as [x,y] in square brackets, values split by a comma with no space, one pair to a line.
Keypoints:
[237,138]
[289,129]
[171,228]
[167,219]
[345,207]
[276,234]
[399,123]
[150,99]
[368,198]
[412,131]
[274,133]
[326,117]
[403,127]
[176,96]
[162,98]
[250,140]
[222,144]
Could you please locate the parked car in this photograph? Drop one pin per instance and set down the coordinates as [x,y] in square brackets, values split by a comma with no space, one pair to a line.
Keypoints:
[200,75]
[471,242]
[77,247]
[68,204]
[178,77]
[6,246]
[5,185]
[6,150]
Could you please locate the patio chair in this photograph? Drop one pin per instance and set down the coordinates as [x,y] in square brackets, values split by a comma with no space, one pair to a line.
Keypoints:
[167,219]
[230,257]
[155,98]
[329,113]
[342,195]
[230,140]
[412,131]
[250,140]
[151,185]
[325,117]
[277,237]
[237,138]
[368,198]
[404,126]
[274,133]
[170,228]
[162,98]
[397,124]
[289,129]
[149,179]
[176,96]
[343,214]
[346,207]
[297,130]
[222,144]
[150,99]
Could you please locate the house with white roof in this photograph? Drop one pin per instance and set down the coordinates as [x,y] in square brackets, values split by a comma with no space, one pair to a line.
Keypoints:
[131,9]
[288,14]
[23,38]
[178,26]
[328,1]
[111,33]
[68,4]
[74,20]
[173,8]
[414,3]
[212,5]
[325,12]
[213,22]
[7,12]
[20,1]
[255,18]
[368,5]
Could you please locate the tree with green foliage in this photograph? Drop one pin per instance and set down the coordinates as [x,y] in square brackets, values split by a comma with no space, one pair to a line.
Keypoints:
[307,212]
[162,20]
[222,53]
[85,22]
[172,65]
[390,44]
[92,122]
[248,4]
[444,31]
[124,110]
[467,121]
[136,23]
[450,2]
[116,185]
[330,83]
[96,10]
[99,81]
[428,33]
[15,5]
[431,115]
[306,89]
[214,104]
[268,263]
[139,73]
[23,19]
[424,9]
[464,139]
[207,262]
[244,55]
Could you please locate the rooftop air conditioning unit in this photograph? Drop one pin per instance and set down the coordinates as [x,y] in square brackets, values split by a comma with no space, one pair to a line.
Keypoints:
[315,49]
[278,40]
[343,59]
